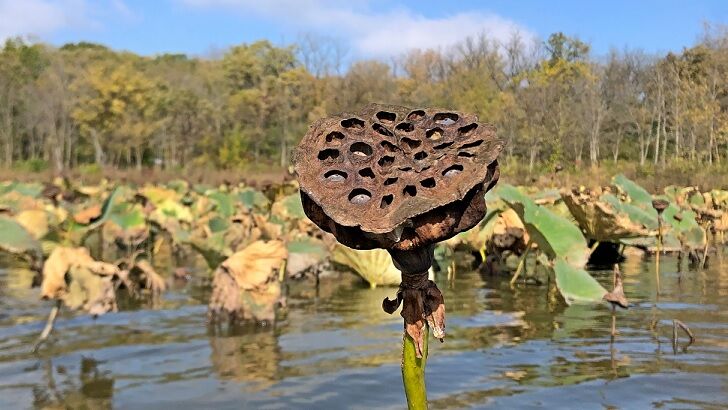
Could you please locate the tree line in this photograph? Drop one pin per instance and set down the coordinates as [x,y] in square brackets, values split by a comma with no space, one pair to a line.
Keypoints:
[553,101]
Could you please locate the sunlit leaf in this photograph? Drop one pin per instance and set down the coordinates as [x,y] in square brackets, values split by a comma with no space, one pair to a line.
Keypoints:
[575,284]
[73,276]
[375,265]
[556,236]
[34,221]
[15,239]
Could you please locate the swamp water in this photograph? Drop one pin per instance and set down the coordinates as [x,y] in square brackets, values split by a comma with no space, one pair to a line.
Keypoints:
[336,348]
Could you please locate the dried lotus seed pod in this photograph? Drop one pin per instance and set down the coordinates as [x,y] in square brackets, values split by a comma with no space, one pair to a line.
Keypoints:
[400,179]
[397,178]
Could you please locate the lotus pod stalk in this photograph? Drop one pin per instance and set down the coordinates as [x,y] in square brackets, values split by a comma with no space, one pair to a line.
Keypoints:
[659,205]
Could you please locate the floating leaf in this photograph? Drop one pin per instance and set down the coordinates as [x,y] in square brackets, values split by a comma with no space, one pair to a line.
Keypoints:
[575,284]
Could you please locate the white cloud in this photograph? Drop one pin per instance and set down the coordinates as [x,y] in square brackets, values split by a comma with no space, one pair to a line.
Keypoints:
[39,17]
[371,32]
[42,18]
[413,31]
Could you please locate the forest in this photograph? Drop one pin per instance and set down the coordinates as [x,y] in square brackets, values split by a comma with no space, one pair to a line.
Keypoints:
[86,107]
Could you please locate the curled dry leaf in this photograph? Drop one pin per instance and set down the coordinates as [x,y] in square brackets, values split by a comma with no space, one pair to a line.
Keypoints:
[603,217]
[225,297]
[617,297]
[267,228]
[152,280]
[508,233]
[86,215]
[421,301]
[73,276]
[245,285]
[252,267]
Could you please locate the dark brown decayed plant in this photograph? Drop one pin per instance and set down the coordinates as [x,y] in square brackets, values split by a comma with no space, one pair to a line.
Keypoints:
[400,179]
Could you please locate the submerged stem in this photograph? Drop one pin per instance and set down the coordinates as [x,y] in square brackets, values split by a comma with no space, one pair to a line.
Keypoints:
[657,255]
[413,371]
[521,262]
[48,327]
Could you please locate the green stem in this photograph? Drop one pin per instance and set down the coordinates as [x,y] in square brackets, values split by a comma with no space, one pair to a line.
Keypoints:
[659,249]
[413,372]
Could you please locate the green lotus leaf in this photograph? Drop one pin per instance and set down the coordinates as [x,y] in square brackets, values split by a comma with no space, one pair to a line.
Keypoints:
[17,240]
[308,245]
[555,235]
[179,185]
[688,230]
[172,209]
[218,224]
[289,207]
[575,284]
[252,199]
[638,195]
[720,198]
[305,253]
[212,249]
[31,190]
[106,209]
[645,217]
[223,203]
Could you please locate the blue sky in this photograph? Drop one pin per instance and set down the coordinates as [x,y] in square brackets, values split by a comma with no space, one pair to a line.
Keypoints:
[366,28]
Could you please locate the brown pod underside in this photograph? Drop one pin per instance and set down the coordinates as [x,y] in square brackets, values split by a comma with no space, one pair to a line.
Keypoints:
[396,178]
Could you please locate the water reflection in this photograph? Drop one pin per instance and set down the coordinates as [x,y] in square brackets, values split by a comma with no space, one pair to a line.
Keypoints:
[246,354]
[91,388]
[334,346]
